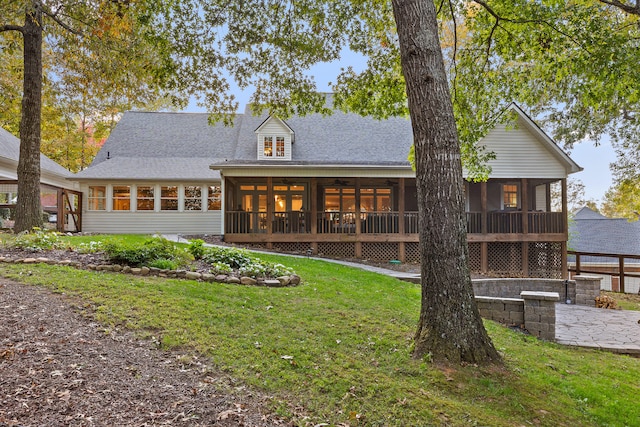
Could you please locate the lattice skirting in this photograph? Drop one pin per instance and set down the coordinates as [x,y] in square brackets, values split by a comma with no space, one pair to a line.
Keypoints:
[292,247]
[505,259]
[412,252]
[341,250]
[380,251]
[475,257]
[545,260]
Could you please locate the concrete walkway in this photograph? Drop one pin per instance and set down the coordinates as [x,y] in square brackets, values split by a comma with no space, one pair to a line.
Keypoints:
[617,331]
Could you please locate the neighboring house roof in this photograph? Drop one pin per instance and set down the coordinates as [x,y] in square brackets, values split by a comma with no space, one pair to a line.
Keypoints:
[51,172]
[591,232]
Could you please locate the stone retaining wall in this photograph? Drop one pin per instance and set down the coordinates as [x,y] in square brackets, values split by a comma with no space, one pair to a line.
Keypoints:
[531,302]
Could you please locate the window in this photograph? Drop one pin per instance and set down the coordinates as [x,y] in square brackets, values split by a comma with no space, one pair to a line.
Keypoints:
[97,200]
[268,146]
[375,200]
[214,198]
[121,198]
[192,198]
[280,146]
[169,198]
[510,196]
[145,200]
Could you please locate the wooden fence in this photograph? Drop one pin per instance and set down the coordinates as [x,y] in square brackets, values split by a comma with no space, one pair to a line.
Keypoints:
[607,264]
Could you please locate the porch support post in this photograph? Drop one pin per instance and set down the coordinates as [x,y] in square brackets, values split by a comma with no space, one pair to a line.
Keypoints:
[565,229]
[60,207]
[483,207]
[524,183]
[547,194]
[358,244]
[402,255]
[269,212]
[313,194]
[484,246]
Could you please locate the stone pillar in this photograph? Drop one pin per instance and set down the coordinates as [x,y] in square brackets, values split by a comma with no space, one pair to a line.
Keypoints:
[587,289]
[540,313]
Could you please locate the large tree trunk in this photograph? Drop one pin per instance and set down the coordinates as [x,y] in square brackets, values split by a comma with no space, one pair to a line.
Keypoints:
[450,327]
[28,211]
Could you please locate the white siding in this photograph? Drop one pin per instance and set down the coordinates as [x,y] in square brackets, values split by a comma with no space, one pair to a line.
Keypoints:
[520,154]
[274,127]
[152,222]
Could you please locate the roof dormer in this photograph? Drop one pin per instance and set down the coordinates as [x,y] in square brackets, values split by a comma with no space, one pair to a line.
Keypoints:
[275,138]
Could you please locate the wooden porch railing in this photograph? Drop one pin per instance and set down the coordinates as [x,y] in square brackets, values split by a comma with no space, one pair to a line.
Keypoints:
[617,269]
[511,222]
[383,222]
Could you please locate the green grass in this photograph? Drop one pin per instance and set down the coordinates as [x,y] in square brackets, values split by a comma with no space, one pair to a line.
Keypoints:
[339,346]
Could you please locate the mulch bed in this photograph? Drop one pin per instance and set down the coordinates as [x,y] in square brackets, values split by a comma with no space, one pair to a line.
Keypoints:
[58,367]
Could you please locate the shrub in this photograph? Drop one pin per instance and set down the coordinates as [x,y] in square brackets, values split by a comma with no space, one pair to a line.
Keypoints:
[233,257]
[196,248]
[151,250]
[220,268]
[38,240]
[164,264]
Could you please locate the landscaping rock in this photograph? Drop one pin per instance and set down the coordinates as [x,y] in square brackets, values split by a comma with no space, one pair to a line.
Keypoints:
[193,275]
[144,271]
[29,261]
[207,277]
[248,281]
[273,283]
[221,278]
[233,280]
[295,280]
[136,271]
[284,280]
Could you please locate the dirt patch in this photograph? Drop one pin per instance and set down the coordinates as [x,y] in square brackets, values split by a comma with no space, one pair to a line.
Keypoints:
[60,367]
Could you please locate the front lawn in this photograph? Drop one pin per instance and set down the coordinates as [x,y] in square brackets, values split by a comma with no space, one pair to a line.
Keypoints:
[337,349]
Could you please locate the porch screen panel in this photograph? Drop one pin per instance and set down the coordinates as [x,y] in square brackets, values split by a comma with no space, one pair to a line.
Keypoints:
[121,198]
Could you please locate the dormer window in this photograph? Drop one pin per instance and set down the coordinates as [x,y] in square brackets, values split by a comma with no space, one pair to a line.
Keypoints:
[274,140]
[268,146]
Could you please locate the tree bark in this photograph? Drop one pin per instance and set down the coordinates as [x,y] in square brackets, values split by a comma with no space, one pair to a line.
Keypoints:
[450,327]
[28,210]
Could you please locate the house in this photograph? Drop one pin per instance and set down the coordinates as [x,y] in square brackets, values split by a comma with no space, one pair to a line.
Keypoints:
[594,233]
[60,198]
[339,185]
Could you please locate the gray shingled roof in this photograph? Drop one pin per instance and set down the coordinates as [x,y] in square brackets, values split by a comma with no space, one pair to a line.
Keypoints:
[172,146]
[10,150]
[341,138]
[147,145]
[591,232]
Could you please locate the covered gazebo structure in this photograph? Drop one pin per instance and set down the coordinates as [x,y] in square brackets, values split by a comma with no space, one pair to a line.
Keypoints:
[60,198]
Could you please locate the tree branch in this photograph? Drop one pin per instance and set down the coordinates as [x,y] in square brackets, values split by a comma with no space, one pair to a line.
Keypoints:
[10,28]
[632,10]
[60,22]
[499,18]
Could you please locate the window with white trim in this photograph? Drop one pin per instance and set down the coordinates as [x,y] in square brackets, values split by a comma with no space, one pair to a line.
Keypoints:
[121,198]
[145,200]
[169,198]
[97,200]
[192,198]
